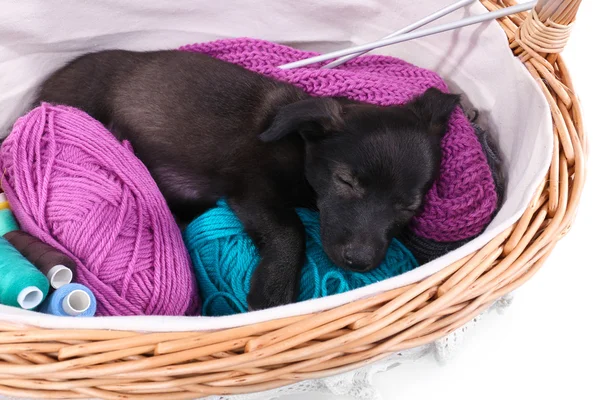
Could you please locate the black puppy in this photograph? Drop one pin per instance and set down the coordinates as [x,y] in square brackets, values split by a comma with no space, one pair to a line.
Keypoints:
[208,129]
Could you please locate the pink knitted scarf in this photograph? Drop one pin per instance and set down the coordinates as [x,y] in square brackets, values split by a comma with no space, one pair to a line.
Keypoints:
[462,201]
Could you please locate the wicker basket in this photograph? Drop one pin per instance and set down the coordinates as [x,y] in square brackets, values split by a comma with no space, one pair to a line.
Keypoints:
[46,363]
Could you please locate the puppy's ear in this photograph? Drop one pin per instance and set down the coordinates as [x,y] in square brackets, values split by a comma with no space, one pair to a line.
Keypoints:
[312,118]
[433,108]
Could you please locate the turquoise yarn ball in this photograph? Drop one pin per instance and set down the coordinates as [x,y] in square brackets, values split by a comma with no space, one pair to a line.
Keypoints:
[224,259]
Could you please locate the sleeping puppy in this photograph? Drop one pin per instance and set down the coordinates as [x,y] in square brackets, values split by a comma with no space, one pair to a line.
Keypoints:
[207,129]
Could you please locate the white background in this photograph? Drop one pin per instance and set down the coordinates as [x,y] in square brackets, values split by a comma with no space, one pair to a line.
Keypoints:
[547,344]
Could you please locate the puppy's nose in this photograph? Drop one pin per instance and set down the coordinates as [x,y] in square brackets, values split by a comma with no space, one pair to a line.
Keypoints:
[358,257]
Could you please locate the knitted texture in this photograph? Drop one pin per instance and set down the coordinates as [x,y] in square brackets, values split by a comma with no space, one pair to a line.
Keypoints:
[224,258]
[426,250]
[74,186]
[461,202]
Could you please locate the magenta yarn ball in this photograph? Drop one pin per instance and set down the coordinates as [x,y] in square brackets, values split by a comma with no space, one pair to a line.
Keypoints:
[71,183]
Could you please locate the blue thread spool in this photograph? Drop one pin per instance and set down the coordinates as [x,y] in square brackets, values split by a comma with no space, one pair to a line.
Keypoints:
[21,284]
[71,300]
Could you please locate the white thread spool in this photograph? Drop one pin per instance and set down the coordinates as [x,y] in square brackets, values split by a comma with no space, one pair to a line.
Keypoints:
[76,303]
[30,297]
[59,275]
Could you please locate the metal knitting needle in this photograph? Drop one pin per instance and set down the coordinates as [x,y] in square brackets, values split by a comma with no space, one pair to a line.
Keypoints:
[416,25]
[475,19]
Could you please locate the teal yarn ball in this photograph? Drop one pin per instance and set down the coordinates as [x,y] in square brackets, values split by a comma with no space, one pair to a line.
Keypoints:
[224,259]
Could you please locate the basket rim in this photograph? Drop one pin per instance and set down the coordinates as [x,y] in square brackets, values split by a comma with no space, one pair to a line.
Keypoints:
[53,363]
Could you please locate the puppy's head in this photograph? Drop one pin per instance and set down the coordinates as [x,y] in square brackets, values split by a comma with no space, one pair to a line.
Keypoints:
[370,167]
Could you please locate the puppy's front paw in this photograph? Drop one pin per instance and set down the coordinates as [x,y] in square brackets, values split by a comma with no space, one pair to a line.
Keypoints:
[271,288]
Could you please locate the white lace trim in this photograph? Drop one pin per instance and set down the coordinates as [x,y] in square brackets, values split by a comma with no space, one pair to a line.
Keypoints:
[358,384]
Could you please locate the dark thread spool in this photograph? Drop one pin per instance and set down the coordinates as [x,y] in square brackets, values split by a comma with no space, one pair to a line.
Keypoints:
[58,267]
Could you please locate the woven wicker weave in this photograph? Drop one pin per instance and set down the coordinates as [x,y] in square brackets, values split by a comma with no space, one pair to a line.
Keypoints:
[48,363]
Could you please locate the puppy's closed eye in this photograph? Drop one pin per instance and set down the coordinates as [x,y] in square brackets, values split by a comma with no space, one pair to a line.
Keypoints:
[346,183]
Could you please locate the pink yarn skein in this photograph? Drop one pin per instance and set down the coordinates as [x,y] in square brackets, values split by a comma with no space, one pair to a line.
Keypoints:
[73,185]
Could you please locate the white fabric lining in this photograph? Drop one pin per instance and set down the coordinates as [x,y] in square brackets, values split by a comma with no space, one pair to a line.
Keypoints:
[474,60]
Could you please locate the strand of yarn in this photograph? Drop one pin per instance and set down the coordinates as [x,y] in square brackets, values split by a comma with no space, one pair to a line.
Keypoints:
[21,284]
[224,258]
[72,300]
[461,202]
[74,186]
